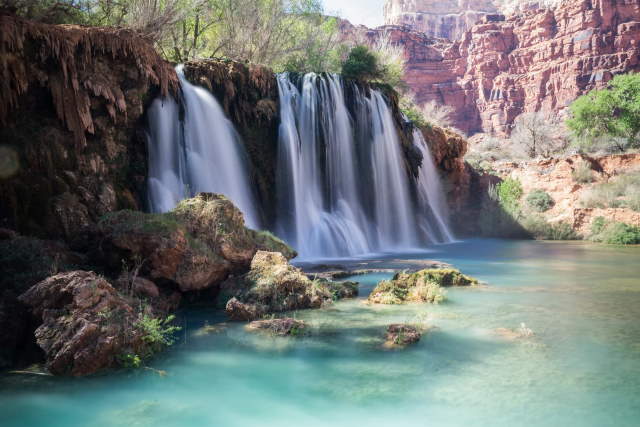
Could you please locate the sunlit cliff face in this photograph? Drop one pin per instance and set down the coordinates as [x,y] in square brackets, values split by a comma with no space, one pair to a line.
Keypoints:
[449,19]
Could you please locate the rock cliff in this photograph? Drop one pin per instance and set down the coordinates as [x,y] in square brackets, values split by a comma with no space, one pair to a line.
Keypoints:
[540,59]
[448,19]
[71,102]
[555,177]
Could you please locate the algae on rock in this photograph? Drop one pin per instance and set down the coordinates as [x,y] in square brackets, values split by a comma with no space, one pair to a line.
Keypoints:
[422,286]
[273,285]
[197,245]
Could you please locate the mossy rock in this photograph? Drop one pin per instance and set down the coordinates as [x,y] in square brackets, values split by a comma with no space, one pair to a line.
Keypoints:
[445,277]
[197,245]
[424,286]
[273,286]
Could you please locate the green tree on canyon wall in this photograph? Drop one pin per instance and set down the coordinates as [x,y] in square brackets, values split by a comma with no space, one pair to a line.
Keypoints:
[612,113]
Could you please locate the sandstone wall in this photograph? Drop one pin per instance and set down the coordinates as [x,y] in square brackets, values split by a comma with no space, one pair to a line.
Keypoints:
[554,176]
[540,59]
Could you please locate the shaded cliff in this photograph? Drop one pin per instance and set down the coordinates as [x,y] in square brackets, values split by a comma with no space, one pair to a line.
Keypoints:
[71,105]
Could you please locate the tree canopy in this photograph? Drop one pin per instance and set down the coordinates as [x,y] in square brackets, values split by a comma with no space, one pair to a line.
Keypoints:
[613,112]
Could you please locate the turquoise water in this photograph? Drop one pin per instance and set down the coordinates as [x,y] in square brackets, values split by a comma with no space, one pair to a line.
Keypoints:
[580,368]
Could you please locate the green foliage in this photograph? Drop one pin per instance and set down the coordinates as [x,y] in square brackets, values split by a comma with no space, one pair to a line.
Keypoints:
[361,65]
[614,233]
[50,11]
[613,112]
[509,194]
[157,333]
[622,191]
[540,201]
[539,228]
[412,111]
[582,172]
[597,225]
[130,361]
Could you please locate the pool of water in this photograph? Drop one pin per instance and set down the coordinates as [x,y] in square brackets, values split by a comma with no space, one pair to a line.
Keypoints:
[580,368]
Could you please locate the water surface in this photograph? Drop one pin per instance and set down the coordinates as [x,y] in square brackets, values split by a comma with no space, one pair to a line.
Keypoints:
[581,367]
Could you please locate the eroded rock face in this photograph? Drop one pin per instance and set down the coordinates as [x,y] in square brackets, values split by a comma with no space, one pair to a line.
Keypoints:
[447,19]
[86,323]
[70,105]
[197,245]
[555,177]
[540,59]
[25,261]
[272,286]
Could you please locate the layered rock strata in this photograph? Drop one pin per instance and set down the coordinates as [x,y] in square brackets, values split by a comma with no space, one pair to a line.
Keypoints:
[540,59]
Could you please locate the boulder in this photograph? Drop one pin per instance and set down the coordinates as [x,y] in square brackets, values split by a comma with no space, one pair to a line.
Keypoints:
[400,336]
[87,326]
[24,261]
[273,285]
[281,327]
[197,245]
[420,287]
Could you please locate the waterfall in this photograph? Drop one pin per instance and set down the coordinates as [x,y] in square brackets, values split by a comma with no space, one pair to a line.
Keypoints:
[433,216]
[342,186]
[203,153]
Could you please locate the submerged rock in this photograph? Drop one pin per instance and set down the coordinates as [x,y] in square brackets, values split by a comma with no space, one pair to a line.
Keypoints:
[400,336]
[197,245]
[273,285]
[281,327]
[422,286]
[86,324]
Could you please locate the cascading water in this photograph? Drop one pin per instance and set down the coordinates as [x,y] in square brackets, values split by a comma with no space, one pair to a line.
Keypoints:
[200,154]
[433,217]
[342,187]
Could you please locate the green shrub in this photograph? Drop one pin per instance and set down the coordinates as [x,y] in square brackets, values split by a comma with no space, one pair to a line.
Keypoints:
[614,233]
[361,65]
[540,201]
[157,332]
[583,172]
[509,194]
[611,112]
[597,225]
[130,361]
[622,191]
[539,228]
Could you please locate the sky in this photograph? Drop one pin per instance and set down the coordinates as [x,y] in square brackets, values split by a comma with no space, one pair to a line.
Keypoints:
[365,12]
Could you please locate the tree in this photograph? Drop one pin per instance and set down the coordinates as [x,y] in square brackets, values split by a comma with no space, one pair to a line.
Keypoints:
[613,112]
[538,134]
[361,65]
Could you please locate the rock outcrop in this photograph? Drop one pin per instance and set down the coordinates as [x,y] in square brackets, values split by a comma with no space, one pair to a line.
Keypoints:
[556,178]
[280,327]
[272,286]
[87,326]
[25,261]
[536,60]
[450,19]
[71,100]
[424,286]
[196,246]
[447,19]
[400,336]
